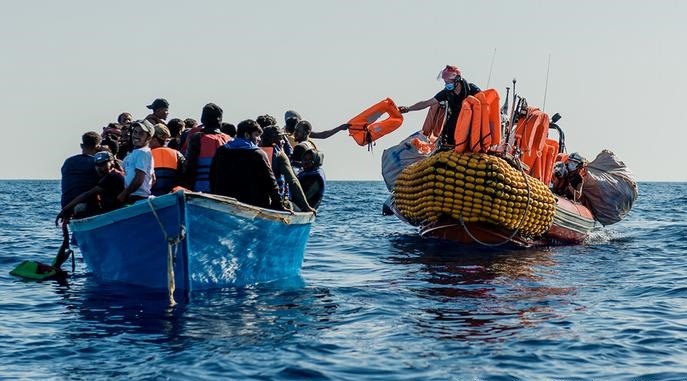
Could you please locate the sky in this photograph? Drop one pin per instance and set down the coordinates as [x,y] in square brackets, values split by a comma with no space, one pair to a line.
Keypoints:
[617,70]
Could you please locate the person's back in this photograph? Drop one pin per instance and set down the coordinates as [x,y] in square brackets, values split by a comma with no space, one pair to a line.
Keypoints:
[241,170]
[78,171]
[202,147]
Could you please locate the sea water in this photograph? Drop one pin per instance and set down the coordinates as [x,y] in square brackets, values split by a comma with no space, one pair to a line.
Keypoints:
[374,302]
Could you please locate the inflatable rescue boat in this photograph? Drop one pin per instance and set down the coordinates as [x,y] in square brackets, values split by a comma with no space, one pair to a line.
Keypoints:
[504,182]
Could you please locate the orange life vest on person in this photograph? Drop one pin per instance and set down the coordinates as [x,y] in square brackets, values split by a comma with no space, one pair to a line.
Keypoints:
[208,145]
[365,128]
[166,162]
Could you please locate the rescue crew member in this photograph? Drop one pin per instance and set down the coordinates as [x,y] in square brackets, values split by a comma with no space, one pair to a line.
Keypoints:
[456,89]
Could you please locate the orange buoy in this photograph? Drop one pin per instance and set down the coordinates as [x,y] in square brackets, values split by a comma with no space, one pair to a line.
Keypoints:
[365,129]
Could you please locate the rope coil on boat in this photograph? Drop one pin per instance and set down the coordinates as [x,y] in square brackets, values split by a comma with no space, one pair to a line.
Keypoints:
[172,249]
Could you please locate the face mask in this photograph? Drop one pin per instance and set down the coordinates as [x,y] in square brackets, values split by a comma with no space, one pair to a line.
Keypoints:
[449,86]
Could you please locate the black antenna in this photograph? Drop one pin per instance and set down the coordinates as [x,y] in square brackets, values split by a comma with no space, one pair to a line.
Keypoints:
[546,87]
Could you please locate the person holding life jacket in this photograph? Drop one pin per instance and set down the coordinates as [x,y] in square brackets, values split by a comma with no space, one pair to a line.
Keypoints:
[568,176]
[242,170]
[312,177]
[202,147]
[456,89]
[168,162]
[289,187]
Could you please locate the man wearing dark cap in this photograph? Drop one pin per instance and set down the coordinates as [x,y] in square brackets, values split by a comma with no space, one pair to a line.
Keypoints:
[160,108]
[272,143]
[202,147]
[110,184]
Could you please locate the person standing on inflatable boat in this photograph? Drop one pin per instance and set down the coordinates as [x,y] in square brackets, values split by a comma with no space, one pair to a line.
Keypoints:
[456,89]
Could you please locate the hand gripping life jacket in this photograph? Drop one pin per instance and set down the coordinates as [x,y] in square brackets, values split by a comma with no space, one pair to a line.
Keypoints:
[166,170]
[365,128]
[208,145]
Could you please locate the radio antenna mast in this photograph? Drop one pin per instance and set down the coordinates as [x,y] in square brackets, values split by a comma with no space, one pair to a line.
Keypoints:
[546,87]
[491,68]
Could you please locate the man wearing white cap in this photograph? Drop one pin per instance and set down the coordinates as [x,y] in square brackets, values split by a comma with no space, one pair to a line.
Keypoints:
[138,165]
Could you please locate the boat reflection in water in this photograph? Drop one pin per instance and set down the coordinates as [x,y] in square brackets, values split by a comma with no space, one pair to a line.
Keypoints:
[475,294]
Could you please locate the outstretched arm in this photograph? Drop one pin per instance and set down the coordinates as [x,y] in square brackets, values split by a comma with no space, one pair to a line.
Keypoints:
[419,105]
[327,133]
[67,210]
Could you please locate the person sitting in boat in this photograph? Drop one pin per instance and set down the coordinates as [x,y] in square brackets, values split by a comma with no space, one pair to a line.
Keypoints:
[168,163]
[312,177]
[456,89]
[242,170]
[110,184]
[160,108]
[303,143]
[192,127]
[568,176]
[176,127]
[138,165]
[228,129]
[268,120]
[79,175]
[202,147]
[289,187]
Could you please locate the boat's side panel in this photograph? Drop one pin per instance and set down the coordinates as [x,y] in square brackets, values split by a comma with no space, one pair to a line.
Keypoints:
[230,249]
[129,246]
[572,223]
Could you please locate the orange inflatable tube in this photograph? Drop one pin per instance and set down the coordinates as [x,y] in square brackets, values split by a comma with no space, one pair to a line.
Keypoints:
[365,128]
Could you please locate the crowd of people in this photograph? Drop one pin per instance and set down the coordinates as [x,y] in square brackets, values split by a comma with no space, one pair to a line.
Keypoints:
[256,162]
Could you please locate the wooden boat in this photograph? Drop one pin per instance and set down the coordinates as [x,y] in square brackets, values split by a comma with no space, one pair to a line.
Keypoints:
[193,241]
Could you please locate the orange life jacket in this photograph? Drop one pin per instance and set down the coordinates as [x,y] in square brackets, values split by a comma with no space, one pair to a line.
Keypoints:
[434,122]
[478,128]
[365,128]
[531,133]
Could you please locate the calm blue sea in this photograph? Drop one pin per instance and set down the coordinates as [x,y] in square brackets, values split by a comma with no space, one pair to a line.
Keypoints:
[375,302]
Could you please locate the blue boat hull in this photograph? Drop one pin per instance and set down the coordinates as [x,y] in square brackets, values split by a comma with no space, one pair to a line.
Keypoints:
[213,242]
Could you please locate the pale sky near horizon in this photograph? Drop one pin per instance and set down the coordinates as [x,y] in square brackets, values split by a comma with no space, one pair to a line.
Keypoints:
[617,72]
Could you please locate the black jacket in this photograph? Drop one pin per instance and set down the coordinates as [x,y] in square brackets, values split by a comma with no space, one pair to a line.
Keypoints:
[244,174]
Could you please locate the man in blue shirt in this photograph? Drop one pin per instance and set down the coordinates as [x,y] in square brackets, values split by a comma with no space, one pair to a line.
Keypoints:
[79,175]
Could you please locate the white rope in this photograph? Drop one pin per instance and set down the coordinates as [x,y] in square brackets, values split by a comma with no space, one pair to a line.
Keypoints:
[172,248]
